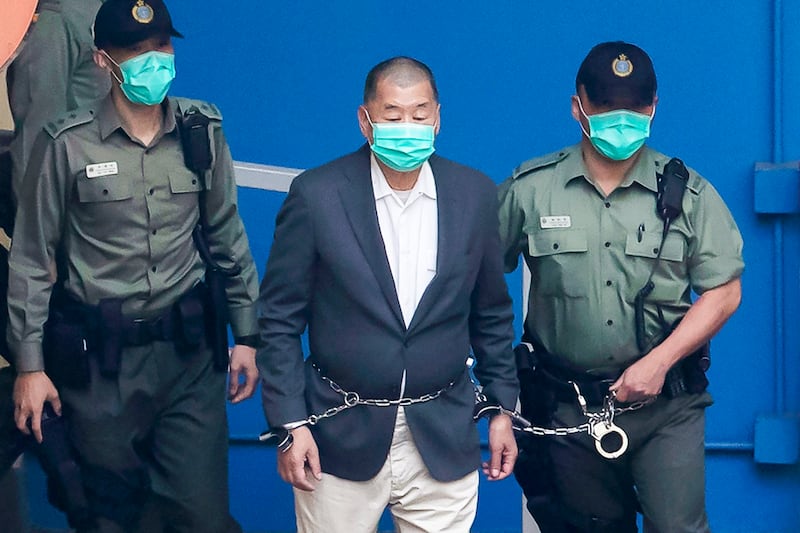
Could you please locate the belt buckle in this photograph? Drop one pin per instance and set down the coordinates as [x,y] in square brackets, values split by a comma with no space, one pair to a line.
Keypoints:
[137,332]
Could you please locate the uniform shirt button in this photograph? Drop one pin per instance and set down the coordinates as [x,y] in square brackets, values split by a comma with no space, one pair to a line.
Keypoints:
[608,282]
[655,250]
[555,246]
[607,244]
[608,204]
[153,268]
[105,192]
[151,191]
[610,322]
[155,231]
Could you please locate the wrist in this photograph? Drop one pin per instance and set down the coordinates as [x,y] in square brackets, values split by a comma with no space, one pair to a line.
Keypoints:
[247,340]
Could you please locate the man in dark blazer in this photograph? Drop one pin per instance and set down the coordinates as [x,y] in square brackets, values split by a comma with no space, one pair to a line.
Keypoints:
[390,257]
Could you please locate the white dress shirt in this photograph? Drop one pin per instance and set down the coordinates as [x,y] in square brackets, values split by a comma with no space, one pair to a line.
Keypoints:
[410,232]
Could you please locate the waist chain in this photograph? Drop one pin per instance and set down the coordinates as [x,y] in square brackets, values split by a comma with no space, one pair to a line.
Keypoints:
[598,425]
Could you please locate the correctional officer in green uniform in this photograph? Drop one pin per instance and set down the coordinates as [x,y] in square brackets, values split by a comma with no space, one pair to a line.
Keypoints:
[585,221]
[53,73]
[110,198]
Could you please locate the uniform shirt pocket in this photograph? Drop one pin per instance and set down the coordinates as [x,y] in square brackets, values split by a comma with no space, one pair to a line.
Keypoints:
[670,277]
[183,180]
[650,244]
[558,261]
[104,188]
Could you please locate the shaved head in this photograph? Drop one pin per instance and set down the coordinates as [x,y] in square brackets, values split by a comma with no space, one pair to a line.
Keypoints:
[400,71]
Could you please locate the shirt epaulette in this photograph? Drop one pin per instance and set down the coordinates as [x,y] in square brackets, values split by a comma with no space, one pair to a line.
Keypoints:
[69,120]
[539,162]
[696,183]
[206,108]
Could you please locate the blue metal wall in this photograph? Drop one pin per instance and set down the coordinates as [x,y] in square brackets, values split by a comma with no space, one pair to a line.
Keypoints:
[288,77]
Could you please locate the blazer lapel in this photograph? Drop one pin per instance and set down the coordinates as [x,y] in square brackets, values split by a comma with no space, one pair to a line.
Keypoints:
[450,216]
[358,199]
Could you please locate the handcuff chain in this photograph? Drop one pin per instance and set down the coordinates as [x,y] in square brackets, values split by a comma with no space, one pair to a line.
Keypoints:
[604,416]
[597,425]
[351,399]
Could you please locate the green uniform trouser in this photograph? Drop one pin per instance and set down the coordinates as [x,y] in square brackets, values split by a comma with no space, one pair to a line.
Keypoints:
[161,427]
[663,469]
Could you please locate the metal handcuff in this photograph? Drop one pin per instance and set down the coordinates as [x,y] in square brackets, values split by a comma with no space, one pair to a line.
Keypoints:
[598,425]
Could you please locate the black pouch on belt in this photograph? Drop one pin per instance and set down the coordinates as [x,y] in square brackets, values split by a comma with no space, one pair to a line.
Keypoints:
[694,369]
[217,318]
[109,353]
[191,319]
[65,347]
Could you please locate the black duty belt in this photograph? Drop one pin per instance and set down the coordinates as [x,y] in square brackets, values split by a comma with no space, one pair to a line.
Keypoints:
[593,388]
[163,327]
[138,332]
[687,376]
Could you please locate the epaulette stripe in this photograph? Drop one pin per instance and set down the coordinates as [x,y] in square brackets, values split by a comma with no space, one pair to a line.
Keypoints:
[538,162]
[75,118]
[207,108]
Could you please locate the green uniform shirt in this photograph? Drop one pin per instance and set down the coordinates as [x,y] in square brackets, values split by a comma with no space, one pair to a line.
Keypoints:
[589,254]
[123,214]
[54,72]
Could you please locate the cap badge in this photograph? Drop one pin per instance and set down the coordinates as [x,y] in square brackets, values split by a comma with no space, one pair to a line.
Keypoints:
[622,66]
[142,12]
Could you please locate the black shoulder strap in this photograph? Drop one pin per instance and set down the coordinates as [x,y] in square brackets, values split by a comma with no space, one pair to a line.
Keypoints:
[669,205]
[196,144]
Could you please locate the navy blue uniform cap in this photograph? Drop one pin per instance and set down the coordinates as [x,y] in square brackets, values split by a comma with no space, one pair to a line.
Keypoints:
[121,23]
[617,74]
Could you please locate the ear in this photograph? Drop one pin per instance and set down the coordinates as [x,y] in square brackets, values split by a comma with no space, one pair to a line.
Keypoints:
[101,60]
[363,124]
[438,123]
[576,108]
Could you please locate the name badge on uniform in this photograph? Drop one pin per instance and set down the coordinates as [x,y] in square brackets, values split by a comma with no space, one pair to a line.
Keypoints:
[98,170]
[561,221]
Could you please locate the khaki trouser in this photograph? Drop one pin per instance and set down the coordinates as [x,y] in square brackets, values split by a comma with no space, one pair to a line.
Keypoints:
[418,503]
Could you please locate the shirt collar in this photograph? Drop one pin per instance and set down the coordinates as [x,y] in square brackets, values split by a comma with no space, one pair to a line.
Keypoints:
[643,172]
[109,120]
[425,183]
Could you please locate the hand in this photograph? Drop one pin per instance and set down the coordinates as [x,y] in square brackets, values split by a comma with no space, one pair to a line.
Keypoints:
[641,381]
[31,390]
[503,448]
[300,460]
[243,364]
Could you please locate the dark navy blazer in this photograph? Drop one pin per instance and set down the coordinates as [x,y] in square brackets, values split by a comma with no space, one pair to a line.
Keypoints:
[328,272]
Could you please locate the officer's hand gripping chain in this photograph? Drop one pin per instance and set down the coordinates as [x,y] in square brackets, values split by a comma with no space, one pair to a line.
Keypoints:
[598,425]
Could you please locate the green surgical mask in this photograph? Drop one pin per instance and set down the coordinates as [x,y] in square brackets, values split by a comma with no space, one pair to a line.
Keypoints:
[617,134]
[402,146]
[146,78]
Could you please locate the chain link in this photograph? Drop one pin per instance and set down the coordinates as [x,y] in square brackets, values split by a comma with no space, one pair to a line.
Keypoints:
[604,416]
[351,399]
[593,419]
